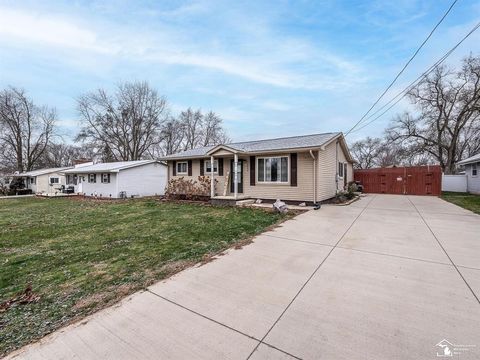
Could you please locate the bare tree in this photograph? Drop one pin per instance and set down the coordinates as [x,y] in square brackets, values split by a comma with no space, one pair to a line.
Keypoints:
[26,129]
[128,123]
[366,152]
[172,136]
[449,114]
[213,132]
[192,125]
[60,154]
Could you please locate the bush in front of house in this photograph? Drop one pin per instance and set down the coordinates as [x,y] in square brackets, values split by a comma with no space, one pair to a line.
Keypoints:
[189,189]
[346,195]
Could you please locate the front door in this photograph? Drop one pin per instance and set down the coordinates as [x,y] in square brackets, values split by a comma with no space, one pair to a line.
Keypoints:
[239,177]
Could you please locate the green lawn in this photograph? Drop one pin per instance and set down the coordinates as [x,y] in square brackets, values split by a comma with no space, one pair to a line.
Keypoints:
[465,200]
[82,255]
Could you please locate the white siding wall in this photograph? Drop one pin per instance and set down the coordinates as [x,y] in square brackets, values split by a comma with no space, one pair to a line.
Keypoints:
[146,180]
[473,182]
[98,188]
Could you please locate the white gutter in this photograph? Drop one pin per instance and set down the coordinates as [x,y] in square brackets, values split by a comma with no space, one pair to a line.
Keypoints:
[314,177]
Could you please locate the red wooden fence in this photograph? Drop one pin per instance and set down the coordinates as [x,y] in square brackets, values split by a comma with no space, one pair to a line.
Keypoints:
[412,180]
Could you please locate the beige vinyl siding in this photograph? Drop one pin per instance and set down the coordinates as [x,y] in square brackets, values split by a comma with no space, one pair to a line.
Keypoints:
[343,159]
[326,185]
[350,172]
[43,183]
[302,192]
[222,152]
[327,166]
[196,174]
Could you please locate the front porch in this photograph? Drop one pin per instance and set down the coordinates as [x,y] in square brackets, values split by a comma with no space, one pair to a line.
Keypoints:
[232,189]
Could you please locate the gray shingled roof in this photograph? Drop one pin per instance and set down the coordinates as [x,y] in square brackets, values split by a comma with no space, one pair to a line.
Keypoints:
[293,142]
[471,159]
[108,167]
[41,172]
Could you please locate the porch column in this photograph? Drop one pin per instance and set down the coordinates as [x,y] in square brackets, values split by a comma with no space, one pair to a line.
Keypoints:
[212,180]
[235,176]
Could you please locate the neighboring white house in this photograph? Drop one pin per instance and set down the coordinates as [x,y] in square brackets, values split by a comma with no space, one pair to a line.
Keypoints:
[44,181]
[47,181]
[119,179]
[472,168]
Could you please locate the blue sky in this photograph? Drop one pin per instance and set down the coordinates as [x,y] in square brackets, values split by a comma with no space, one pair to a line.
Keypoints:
[276,68]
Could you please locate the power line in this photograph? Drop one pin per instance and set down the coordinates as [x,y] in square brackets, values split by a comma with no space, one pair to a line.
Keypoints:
[416,81]
[404,67]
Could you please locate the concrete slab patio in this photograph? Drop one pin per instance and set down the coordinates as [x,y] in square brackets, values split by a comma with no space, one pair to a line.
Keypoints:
[387,277]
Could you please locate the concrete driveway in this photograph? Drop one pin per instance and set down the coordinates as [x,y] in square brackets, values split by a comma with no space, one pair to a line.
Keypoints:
[388,277]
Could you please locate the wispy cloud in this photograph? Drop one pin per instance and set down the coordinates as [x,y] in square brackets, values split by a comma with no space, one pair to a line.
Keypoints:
[285,67]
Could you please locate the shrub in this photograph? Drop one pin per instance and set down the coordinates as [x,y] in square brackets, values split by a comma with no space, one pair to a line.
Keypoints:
[189,189]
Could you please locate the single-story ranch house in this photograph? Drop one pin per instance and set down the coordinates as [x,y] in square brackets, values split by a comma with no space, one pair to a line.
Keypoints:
[309,168]
[119,179]
[44,181]
[472,167]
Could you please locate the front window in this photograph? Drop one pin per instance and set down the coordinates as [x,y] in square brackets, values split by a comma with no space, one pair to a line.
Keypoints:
[340,169]
[272,169]
[474,169]
[182,167]
[91,178]
[32,180]
[105,178]
[208,166]
[54,180]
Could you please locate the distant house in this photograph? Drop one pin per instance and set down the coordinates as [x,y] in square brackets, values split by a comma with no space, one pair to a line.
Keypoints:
[472,167]
[119,179]
[308,168]
[44,181]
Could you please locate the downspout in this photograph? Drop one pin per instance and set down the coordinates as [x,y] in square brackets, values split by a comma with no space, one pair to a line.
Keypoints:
[336,167]
[314,177]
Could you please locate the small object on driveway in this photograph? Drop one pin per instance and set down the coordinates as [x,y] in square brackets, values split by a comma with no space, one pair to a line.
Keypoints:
[302,204]
[258,201]
[280,206]
[317,206]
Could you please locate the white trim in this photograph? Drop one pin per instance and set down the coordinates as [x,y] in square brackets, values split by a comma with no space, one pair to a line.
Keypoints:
[186,167]
[278,182]
[224,147]
[343,169]
[106,180]
[205,166]
[212,180]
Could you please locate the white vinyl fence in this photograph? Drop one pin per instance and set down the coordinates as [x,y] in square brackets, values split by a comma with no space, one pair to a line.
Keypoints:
[455,183]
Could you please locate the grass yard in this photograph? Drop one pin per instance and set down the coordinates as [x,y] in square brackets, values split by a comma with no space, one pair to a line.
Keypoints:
[465,200]
[82,255]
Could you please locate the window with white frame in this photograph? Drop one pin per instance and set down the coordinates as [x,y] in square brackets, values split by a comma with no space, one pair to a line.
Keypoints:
[33,180]
[208,166]
[273,169]
[105,178]
[474,169]
[92,178]
[182,167]
[340,169]
[54,180]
